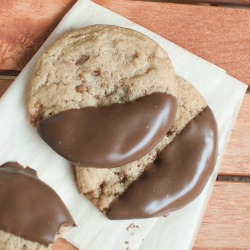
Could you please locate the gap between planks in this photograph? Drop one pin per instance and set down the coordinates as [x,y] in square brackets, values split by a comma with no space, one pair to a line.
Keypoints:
[233,178]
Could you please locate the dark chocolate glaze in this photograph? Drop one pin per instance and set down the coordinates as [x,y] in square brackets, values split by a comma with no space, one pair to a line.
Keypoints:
[110,136]
[178,175]
[29,208]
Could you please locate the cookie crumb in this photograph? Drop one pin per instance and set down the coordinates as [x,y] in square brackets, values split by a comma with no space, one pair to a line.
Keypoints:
[132,228]
[37,114]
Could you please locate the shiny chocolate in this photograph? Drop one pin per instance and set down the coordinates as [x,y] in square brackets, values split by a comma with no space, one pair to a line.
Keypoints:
[29,208]
[110,136]
[178,175]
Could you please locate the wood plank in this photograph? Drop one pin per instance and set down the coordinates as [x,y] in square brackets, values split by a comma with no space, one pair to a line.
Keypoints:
[4,84]
[237,157]
[63,244]
[25,25]
[219,35]
[226,224]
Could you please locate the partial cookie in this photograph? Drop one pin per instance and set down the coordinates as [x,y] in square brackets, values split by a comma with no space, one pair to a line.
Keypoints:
[32,215]
[103,96]
[169,176]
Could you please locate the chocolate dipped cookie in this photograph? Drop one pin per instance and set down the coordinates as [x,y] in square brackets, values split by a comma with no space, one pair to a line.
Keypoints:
[170,176]
[103,96]
[32,215]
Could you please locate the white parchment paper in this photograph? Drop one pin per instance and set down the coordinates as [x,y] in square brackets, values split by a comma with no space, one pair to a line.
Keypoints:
[20,142]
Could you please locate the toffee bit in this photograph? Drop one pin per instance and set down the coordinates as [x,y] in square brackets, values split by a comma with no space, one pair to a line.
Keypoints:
[132,228]
[96,73]
[81,88]
[135,55]
[151,56]
[122,177]
[82,59]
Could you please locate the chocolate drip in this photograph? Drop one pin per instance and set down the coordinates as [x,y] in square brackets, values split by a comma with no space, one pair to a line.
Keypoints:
[29,208]
[110,136]
[178,175]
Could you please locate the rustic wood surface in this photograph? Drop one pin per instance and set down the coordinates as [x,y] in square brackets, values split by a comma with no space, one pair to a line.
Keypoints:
[226,224]
[237,157]
[220,35]
[25,25]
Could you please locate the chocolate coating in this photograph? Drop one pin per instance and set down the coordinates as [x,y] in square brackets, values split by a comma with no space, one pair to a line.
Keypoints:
[29,208]
[178,175]
[110,136]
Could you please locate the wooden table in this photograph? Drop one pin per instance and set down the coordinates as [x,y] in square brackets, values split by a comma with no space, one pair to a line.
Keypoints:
[218,34]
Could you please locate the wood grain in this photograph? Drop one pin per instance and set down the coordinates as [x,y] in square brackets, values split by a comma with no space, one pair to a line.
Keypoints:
[25,25]
[219,35]
[226,224]
[237,157]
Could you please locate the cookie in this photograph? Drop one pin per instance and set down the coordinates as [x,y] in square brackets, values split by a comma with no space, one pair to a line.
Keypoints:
[103,96]
[98,65]
[169,176]
[32,215]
